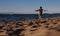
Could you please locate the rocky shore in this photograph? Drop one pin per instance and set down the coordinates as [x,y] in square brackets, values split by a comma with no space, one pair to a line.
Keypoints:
[33,27]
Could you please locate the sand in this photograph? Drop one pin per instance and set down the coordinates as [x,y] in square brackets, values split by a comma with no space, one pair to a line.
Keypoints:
[33,27]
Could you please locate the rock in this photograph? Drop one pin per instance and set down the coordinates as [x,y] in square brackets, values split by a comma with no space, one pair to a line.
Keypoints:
[30,24]
[33,29]
[1,27]
[57,29]
[17,31]
[43,21]
[47,27]
[34,26]
[19,24]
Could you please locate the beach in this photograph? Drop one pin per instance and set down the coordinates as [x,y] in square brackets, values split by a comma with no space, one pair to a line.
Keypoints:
[33,27]
[29,18]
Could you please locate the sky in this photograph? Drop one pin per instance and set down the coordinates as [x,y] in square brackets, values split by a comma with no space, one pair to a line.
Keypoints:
[29,6]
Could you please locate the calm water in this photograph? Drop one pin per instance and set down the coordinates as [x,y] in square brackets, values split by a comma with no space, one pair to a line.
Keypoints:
[9,17]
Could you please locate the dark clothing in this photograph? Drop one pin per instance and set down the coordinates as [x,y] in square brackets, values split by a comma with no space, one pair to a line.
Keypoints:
[40,11]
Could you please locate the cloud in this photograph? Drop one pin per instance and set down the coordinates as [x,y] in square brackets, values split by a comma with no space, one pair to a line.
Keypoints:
[18,11]
[25,11]
[52,11]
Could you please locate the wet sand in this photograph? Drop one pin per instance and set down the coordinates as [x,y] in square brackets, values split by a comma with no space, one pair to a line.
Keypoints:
[33,27]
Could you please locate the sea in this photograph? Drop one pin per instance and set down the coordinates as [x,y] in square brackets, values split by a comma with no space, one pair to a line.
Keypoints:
[10,17]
